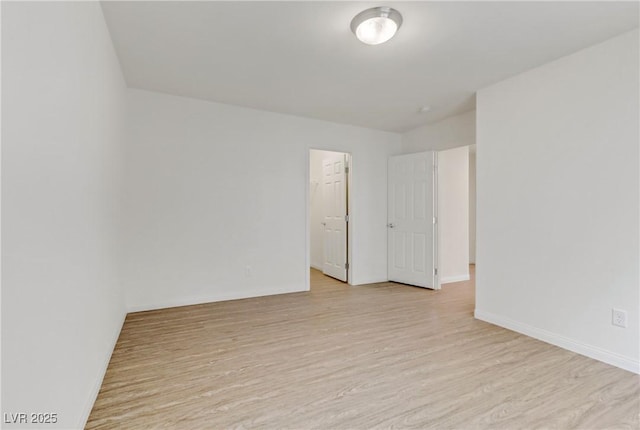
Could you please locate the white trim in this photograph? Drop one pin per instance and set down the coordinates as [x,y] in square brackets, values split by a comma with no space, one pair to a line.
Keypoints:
[435,228]
[209,298]
[315,266]
[84,417]
[456,278]
[351,218]
[590,351]
[307,221]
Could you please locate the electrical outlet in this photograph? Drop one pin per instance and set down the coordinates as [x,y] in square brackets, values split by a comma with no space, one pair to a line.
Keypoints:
[619,317]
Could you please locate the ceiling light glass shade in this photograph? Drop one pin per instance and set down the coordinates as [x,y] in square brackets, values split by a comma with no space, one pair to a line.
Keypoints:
[376,25]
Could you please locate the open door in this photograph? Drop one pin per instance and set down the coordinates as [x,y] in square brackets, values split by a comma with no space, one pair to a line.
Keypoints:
[412,228]
[334,220]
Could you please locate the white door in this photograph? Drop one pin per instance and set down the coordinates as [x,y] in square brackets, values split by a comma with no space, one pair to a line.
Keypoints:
[334,219]
[412,232]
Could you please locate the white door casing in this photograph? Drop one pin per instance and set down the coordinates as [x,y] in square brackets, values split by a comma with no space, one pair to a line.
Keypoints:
[412,229]
[334,220]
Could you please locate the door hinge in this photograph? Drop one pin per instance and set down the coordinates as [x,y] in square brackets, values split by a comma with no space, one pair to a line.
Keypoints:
[346,218]
[435,220]
[346,169]
[435,271]
[346,266]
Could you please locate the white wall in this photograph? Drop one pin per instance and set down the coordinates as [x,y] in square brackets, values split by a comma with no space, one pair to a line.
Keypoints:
[453,214]
[214,188]
[472,205]
[557,213]
[452,132]
[62,301]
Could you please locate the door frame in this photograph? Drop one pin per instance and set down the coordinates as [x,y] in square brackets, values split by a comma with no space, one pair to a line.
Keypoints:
[307,212]
[437,285]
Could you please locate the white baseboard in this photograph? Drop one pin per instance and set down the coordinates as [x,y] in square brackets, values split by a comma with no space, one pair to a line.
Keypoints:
[209,298]
[316,266]
[573,345]
[100,377]
[455,278]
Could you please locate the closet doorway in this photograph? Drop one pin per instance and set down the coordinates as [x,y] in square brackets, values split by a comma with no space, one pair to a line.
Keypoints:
[329,179]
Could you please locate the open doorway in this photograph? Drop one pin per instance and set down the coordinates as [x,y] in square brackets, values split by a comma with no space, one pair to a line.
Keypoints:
[329,195]
[430,218]
[472,213]
[456,213]
[472,207]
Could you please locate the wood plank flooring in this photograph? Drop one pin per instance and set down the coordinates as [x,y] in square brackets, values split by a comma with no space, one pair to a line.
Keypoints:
[339,357]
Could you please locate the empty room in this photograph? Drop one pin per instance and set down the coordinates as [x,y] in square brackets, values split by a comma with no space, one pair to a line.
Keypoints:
[320,215]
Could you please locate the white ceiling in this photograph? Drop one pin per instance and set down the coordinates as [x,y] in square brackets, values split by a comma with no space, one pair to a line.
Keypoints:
[301,58]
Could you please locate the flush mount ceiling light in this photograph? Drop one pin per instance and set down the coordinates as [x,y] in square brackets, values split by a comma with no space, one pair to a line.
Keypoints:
[376,25]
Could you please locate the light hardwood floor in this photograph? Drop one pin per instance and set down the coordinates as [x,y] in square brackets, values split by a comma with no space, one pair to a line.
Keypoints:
[375,356]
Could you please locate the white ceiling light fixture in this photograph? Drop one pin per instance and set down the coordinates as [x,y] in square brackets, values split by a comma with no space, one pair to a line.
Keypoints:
[376,25]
